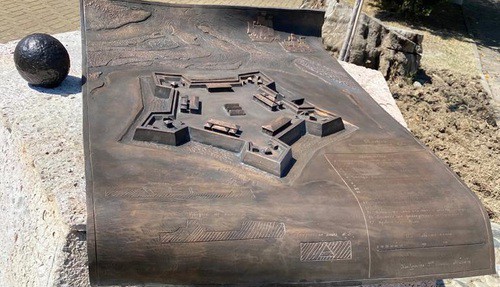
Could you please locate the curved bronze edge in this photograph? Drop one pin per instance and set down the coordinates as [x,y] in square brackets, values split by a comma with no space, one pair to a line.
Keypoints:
[90,228]
[434,277]
[215,6]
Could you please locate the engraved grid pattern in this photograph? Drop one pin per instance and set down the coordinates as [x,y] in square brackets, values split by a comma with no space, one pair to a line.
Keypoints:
[249,230]
[178,195]
[325,251]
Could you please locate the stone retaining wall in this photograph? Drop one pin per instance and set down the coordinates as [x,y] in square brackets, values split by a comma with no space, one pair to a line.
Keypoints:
[391,51]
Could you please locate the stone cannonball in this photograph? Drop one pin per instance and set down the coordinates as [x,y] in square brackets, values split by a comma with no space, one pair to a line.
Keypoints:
[42,60]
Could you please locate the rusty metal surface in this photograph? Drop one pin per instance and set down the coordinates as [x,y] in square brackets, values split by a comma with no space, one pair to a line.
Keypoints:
[224,146]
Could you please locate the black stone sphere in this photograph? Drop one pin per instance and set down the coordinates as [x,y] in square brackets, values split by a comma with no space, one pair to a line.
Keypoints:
[42,60]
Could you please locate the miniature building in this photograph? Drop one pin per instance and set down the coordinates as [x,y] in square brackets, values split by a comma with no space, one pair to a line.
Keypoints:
[292,133]
[274,158]
[276,126]
[184,104]
[190,104]
[296,44]
[269,98]
[262,30]
[292,117]
[321,124]
[167,80]
[162,129]
[234,109]
[194,104]
[219,87]
[257,78]
[222,127]
[215,85]
[299,105]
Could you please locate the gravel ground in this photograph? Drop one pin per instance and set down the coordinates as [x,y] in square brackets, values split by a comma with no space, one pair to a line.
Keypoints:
[452,114]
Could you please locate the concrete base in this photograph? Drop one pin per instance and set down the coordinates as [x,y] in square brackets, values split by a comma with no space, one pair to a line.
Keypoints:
[42,192]
[42,203]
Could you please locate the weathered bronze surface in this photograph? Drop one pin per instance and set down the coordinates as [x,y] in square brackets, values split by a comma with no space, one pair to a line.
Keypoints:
[224,146]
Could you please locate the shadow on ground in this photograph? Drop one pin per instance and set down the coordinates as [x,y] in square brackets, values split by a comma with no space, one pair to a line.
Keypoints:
[448,20]
[71,85]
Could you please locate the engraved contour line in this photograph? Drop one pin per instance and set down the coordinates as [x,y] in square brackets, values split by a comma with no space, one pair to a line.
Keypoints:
[364,217]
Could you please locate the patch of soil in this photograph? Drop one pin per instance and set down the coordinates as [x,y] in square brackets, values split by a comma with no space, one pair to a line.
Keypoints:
[451,114]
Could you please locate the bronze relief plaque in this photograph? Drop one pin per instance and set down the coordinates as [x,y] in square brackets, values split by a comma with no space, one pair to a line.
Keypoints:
[223,145]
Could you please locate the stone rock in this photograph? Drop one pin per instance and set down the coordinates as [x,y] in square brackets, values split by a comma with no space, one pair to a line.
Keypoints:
[375,85]
[417,84]
[393,52]
[337,18]
[412,36]
[42,60]
[42,203]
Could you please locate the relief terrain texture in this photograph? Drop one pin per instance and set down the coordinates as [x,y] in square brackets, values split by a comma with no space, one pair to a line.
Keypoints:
[224,145]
